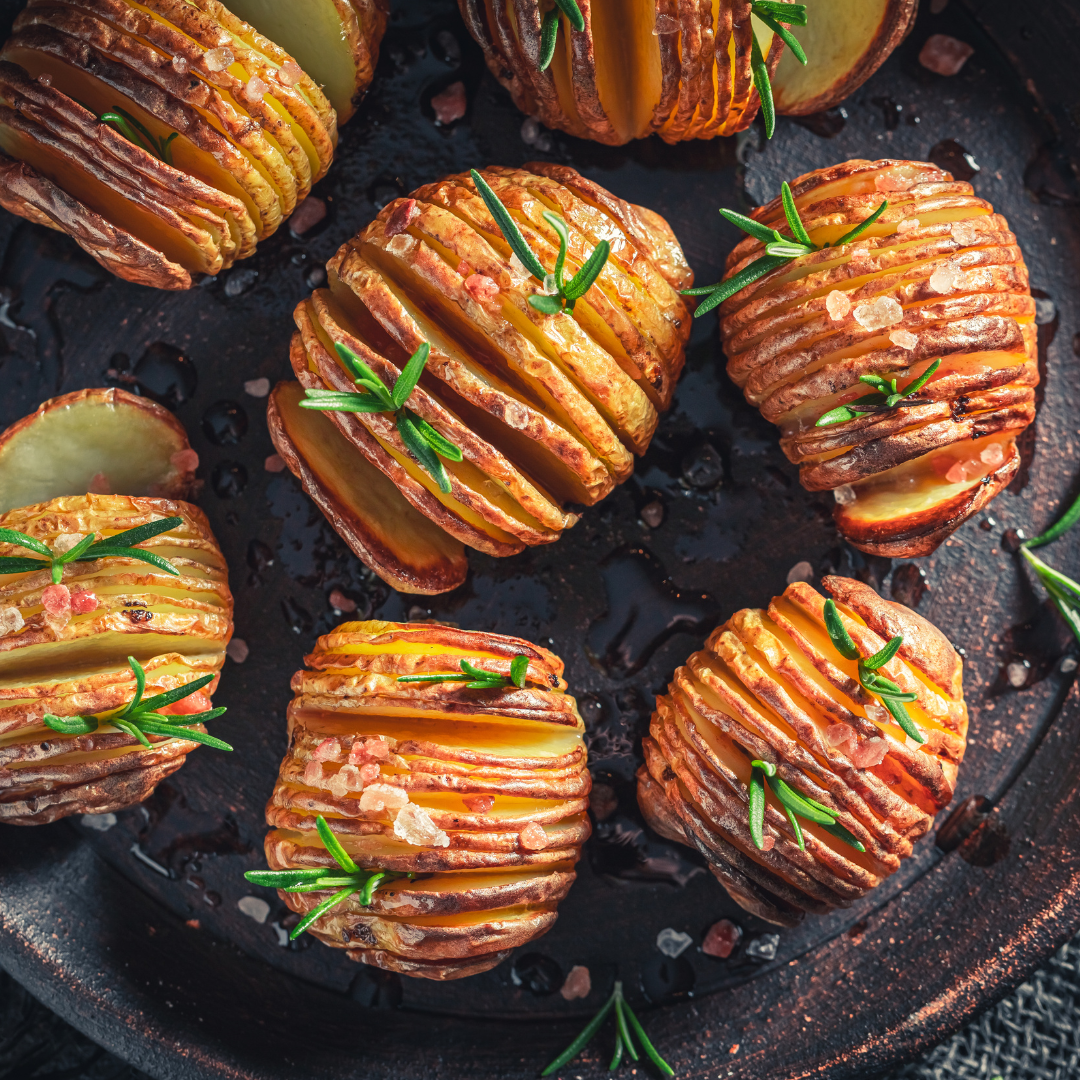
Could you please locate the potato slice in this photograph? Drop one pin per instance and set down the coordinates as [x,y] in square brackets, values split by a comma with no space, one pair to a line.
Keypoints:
[770,685]
[479,793]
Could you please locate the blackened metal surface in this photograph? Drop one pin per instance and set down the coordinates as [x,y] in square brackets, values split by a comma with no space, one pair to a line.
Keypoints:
[134,933]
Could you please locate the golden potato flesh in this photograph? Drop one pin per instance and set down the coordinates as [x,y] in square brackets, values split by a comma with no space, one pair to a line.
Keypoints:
[938,277]
[480,795]
[546,409]
[771,686]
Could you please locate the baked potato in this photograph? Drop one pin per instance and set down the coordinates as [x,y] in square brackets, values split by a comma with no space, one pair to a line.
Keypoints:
[471,798]
[545,409]
[168,138]
[75,633]
[677,68]
[935,289]
[772,706]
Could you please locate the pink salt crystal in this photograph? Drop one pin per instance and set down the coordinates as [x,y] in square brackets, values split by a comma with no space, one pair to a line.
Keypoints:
[218,59]
[274,463]
[346,779]
[56,600]
[533,837]
[307,215]
[993,455]
[450,105]
[479,804]
[957,474]
[860,251]
[578,984]
[11,621]
[946,279]
[721,939]
[843,736]
[964,233]
[907,225]
[369,773]
[944,55]
[401,217]
[237,650]
[180,65]
[904,338]
[369,750]
[45,79]
[481,288]
[870,753]
[255,89]
[464,269]
[185,460]
[100,484]
[414,825]
[327,750]
[878,314]
[83,601]
[838,305]
[888,182]
[257,388]
[313,772]
[290,73]
[768,843]
[340,602]
[383,797]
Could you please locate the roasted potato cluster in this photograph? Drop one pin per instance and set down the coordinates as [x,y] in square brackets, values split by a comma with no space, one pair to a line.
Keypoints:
[168,138]
[479,794]
[64,645]
[678,68]
[938,277]
[547,409]
[771,687]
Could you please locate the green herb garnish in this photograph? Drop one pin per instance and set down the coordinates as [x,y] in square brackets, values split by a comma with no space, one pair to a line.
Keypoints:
[891,695]
[627,1026]
[1063,590]
[886,398]
[423,441]
[770,13]
[139,134]
[762,772]
[779,249]
[566,293]
[549,31]
[139,718]
[122,545]
[477,678]
[351,880]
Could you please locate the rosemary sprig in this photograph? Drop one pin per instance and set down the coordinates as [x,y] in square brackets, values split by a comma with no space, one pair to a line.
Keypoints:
[762,772]
[779,249]
[139,134]
[892,697]
[627,1027]
[139,718]
[351,879]
[423,441]
[477,678]
[886,398]
[86,550]
[770,13]
[549,30]
[566,293]
[1063,590]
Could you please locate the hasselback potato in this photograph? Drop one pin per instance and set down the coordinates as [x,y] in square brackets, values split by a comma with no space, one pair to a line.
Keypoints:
[936,286]
[479,793]
[546,409]
[67,631]
[168,138]
[777,703]
[681,69]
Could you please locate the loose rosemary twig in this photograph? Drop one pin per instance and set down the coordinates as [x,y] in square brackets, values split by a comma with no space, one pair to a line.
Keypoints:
[351,879]
[779,249]
[86,550]
[1063,590]
[422,440]
[139,134]
[477,678]
[886,398]
[771,13]
[627,1027]
[549,30]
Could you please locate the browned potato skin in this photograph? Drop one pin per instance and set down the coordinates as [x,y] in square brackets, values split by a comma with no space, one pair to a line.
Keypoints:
[688,794]
[517,908]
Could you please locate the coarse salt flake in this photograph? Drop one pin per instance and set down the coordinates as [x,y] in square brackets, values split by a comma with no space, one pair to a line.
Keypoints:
[98,822]
[944,55]
[860,251]
[463,268]
[185,460]
[218,59]
[533,837]
[843,736]
[845,494]
[889,182]
[255,89]
[414,825]
[768,843]
[479,804]
[721,939]
[870,753]
[960,471]
[290,73]
[578,983]
[83,601]
[188,706]
[346,779]
[904,338]
[994,454]
[181,65]
[907,225]
[56,600]
[838,305]
[801,571]
[327,750]
[665,24]
[340,602]
[964,233]
[11,621]
[237,650]
[364,750]
[946,279]
[370,772]
[378,797]
[1017,673]
[672,942]
[254,907]
[274,463]
[45,79]
[879,313]
[313,772]
[257,388]
[451,104]
[308,214]
[65,542]
[481,288]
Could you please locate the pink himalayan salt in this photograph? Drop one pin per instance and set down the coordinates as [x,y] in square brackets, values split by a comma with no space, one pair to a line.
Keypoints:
[533,837]
[845,495]
[464,269]
[666,24]
[364,750]
[944,55]
[274,463]
[56,600]
[181,65]
[878,314]
[383,797]
[843,736]
[870,753]
[100,484]
[960,472]
[340,602]
[254,90]
[414,825]
[401,217]
[481,288]
[370,772]
[946,279]
[290,73]
[479,804]
[450,105]
[907,225]
[185,460]
[838,305]
[45,79]
[860,251]
[11,621]
[65,542]
[578,983]
[237,650]
[721,939]
[327,750]
[904,338]
[346,779]
[83,601]
[964,233]
[218,59]
[888,182]
[768,843]
[993,455]
[313,772]
[257,388]
[308,214]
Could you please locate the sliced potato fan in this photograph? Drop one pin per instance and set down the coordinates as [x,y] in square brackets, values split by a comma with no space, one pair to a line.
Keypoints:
[937,286]
[546,409]
[68,628]
[473,800]
[772,704]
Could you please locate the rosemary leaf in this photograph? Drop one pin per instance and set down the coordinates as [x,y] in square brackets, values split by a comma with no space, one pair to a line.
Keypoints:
[549,305]
[410,376]
[798,230]
[855,233]
[579,1044]
[322,909]
[130,553]
[573,13]
[751,227]
[70,725]
[622,1030]
[903,718]
[511,233]
[841,639]
[884,655]
[764,86]
[549,33]
[441,445]
[838,830]
[789,39]
[1059,528]
[616,1059]
[140,534]
[333,845]
[757,807]
[19,539]
[419,448]
[181,731]
[12,564]
[519,667]
[717,294]
[170,697]
[646,1044]
[590,270]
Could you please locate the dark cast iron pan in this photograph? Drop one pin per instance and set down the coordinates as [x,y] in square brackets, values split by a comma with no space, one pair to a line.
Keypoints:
[134,934]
